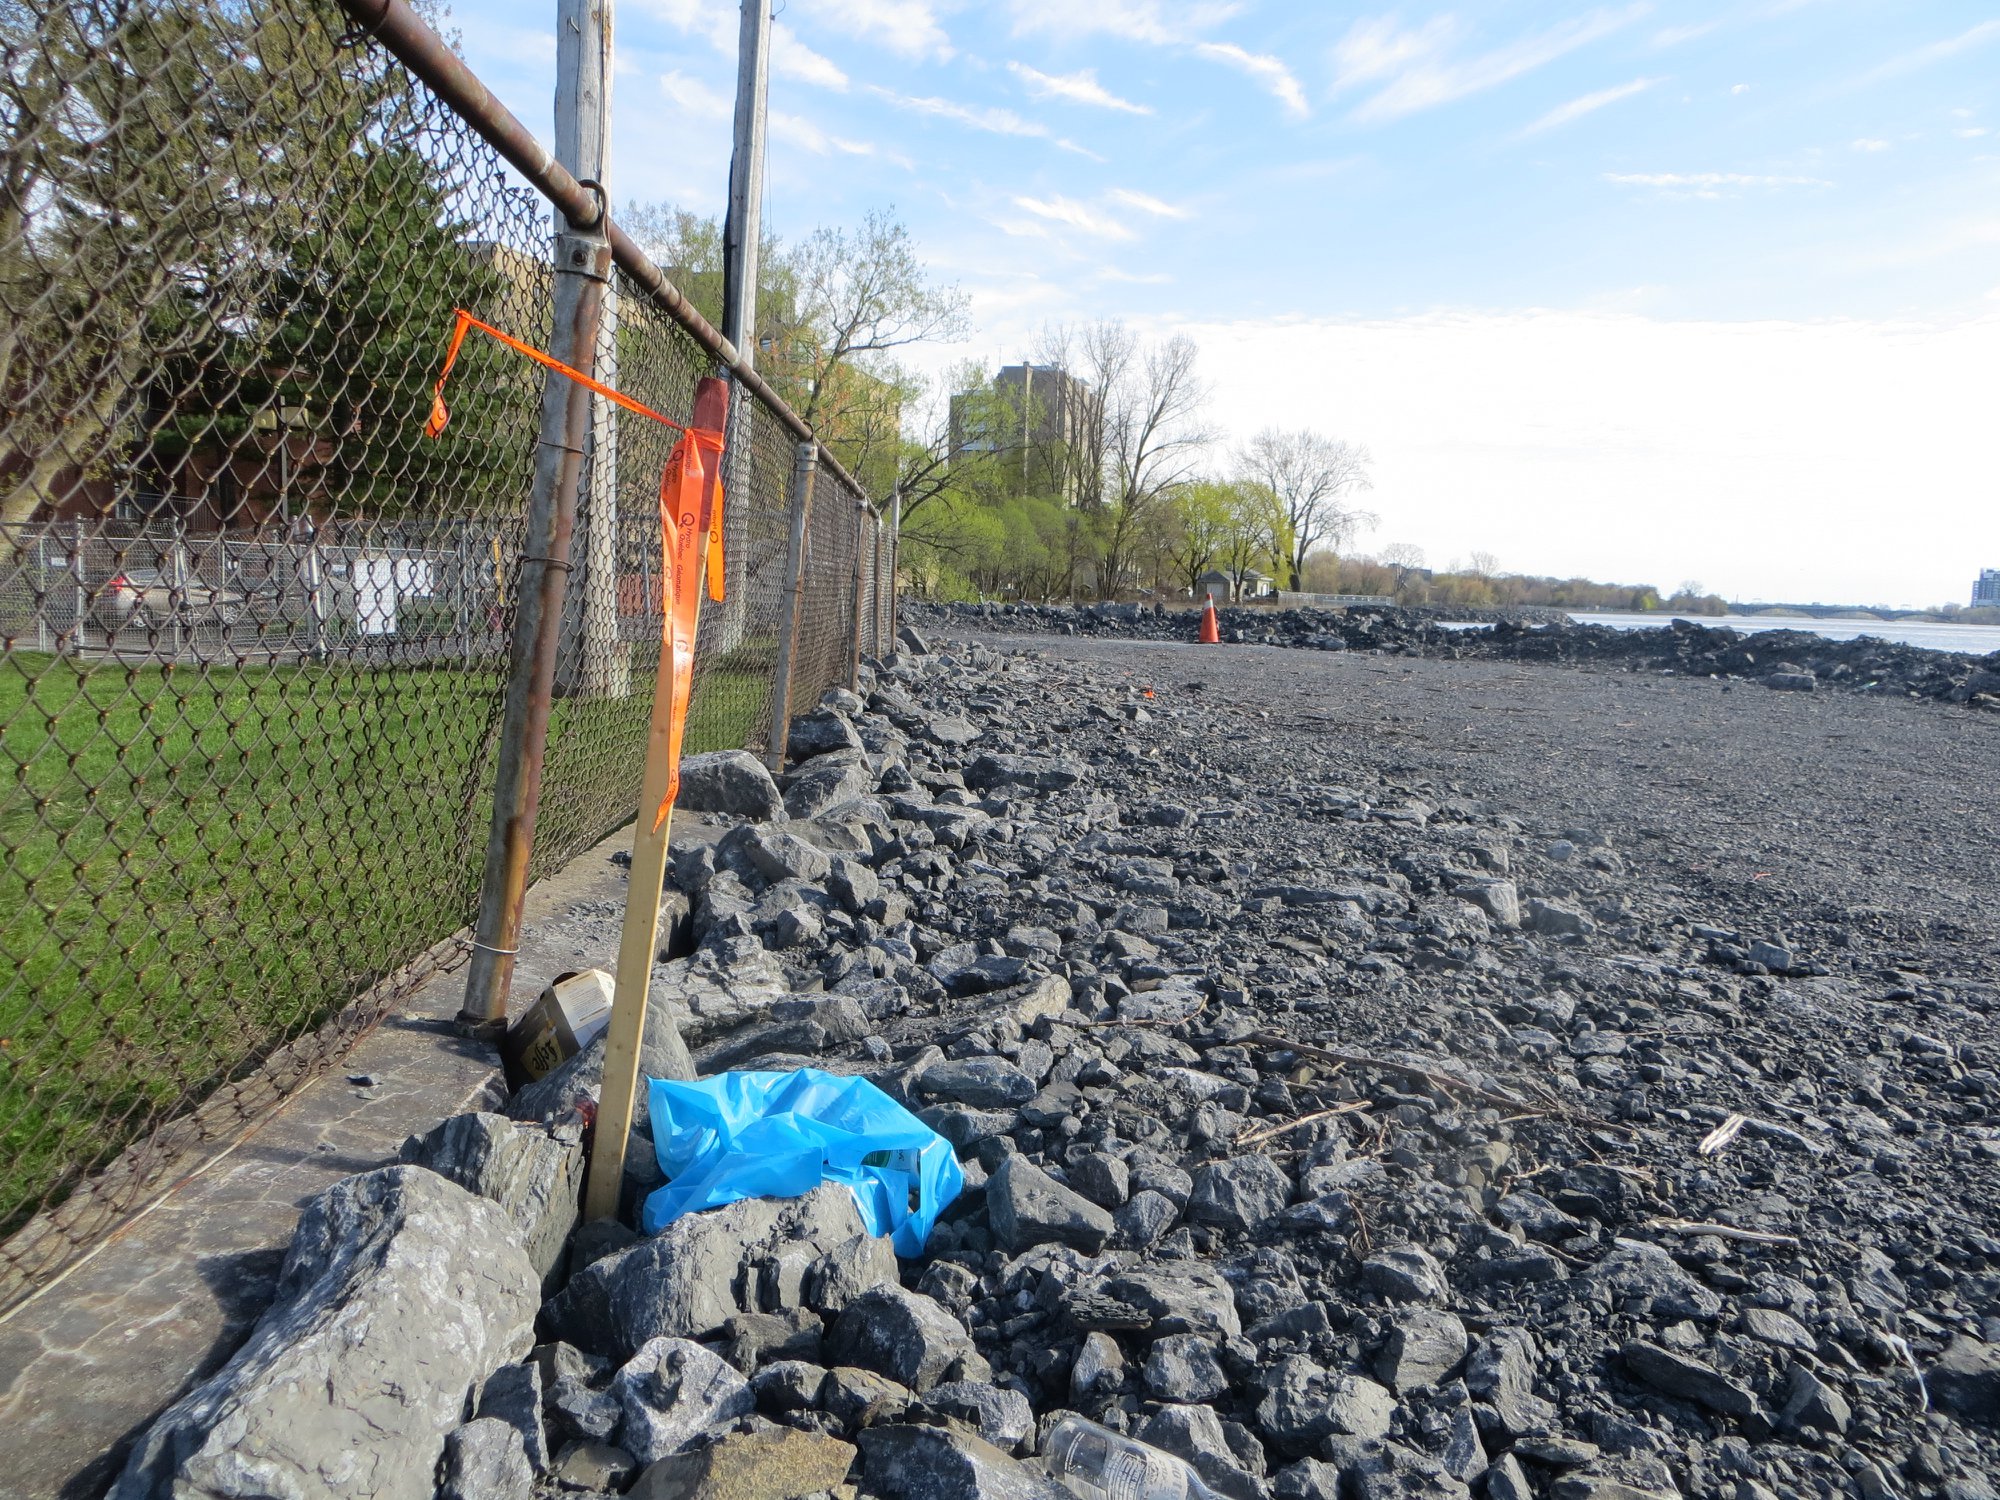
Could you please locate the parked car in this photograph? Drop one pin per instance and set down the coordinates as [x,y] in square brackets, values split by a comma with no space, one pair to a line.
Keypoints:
[146,599]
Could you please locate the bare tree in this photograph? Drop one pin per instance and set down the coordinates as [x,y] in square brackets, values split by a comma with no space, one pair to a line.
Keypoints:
[1484,565]
[1406,558]
[863,293]
[1312,476]
[1134,432]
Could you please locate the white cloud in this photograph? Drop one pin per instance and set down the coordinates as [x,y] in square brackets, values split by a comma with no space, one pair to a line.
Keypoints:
[1146,203]
[1269,72]
[1416,72]
[1378,49]
[992,120]
[1923,57]
[803,133]
[792,58]
[1673,36]
[715,24]
[1561,439]
[1709,184]
[1866,143]
[1080,87]
[696,97]
[1134,278]
[1160,24]
[1970,132]
[523,46]
[1153,21]
[1064,143]
[1576,109]
[1079,216]
[1739,88]
[908,28]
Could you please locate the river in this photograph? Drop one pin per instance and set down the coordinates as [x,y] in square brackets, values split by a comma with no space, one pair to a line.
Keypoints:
[1932,635]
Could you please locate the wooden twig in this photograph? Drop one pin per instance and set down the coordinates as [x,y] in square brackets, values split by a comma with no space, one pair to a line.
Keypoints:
[1722,1135]
[1149,1020]
[1722,1232]
[1276,1130]
[1409,1070]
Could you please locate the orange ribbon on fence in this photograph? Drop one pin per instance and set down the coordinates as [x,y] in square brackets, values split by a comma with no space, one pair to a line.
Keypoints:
[441,414]
[684,488]
[690,507]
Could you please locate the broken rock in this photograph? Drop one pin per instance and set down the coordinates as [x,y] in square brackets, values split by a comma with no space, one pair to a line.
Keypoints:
[484,1460]
[901,1334]
[534,1172]
[686,1281]
[937,1463]
[729,781]
[778,1463]
[1304,1403]
[674,1391]
[437,1277]
[1027,1207]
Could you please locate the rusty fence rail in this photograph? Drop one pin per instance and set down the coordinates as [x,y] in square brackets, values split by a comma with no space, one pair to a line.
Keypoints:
[255,626]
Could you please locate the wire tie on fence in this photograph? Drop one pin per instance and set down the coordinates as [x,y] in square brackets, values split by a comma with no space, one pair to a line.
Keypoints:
[502,952]
[567,567]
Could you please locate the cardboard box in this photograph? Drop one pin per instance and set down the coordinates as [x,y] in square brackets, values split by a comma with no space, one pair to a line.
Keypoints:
[567,1017]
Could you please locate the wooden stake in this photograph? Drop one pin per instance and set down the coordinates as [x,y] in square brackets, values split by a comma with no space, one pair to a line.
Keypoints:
[639,940]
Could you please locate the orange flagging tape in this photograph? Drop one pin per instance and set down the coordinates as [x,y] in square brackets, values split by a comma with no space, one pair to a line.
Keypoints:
[684,488]
[441,414]
[690,505]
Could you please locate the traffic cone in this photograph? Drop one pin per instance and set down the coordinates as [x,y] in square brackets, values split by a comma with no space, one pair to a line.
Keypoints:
[1211,634]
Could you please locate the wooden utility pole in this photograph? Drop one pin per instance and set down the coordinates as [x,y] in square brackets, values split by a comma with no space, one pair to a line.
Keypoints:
[741,233]
[595,663]
[746,182]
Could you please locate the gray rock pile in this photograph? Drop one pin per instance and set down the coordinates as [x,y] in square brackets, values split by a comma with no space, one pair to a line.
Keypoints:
[1784,660]
[1342,1140]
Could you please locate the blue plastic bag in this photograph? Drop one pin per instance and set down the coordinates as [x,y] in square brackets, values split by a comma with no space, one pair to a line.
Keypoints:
[780,1135]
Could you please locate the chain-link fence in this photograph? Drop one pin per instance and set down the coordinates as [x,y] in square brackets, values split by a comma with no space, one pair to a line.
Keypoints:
[254,624]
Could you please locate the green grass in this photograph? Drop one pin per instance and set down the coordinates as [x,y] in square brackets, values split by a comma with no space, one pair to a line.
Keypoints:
[197,865]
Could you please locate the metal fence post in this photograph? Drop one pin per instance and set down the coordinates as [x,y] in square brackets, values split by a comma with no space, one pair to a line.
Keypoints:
[177,595]
[583,267]
[860,536]
[803,470]
[42,592]
[895,568]
[82,586]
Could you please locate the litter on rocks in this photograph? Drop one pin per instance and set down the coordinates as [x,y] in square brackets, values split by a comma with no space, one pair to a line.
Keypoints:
[1095,1463]
[779,1135]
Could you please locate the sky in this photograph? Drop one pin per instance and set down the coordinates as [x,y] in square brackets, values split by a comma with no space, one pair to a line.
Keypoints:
[1645,292]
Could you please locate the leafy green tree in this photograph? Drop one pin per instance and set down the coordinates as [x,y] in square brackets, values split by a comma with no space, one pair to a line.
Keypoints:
[1254,533]
[220,230]
[129,133]
[1198,521]
[832,313]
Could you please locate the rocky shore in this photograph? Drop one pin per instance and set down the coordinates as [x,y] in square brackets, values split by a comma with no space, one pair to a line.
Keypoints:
[1333,1117]
[1791,660]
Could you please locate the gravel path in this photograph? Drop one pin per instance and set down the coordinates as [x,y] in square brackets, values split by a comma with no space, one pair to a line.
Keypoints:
[1877,814]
